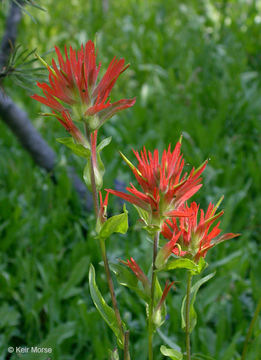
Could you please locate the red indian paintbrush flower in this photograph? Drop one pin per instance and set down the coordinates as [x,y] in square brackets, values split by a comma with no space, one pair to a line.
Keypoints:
[73,86]
[190,237]
[164,187]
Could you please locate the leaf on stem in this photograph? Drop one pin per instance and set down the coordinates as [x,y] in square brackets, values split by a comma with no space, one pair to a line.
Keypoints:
[180,263]
[171,353]
[115,224]
[105,310]
[77,149]
[105,142]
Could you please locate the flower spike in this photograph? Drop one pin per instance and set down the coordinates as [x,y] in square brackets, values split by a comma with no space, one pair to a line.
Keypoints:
[73,86]
[196,236]
[164,189]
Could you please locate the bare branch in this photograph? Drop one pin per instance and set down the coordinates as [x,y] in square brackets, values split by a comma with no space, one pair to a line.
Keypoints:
[10,35]
[17,120]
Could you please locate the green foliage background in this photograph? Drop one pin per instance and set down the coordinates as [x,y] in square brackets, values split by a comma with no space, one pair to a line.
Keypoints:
[195,69]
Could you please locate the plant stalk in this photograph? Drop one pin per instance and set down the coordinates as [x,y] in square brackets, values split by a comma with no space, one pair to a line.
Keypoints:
[104,255]
[126,345]
[152,295]
[93,183]
[188,315]
[111,287]
[250,330]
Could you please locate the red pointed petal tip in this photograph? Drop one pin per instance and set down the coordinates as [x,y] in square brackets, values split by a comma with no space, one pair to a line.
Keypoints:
[134,267]
[130,198]
[227,236]
[180,213]
[103,207]
[105,202]
[165,293]
[115,107]
[137,271]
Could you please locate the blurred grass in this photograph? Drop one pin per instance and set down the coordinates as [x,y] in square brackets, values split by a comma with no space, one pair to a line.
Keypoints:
[195,69]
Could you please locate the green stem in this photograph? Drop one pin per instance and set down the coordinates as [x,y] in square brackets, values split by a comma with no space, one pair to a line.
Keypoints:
[188,315]
[250,330]
[126,345]
[152,295]
[111,287]
[93,183]
[103,249]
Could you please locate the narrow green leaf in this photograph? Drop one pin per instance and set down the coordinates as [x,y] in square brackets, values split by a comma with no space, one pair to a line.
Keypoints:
[45,64]
[105,142]
[171,353]
[77,149]
[192,312]
[115,224]
[144,215]
[105,310]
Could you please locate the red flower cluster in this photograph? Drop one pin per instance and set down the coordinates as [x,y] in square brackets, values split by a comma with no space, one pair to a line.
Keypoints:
[73,88]
[165,191]
[190,237]
[164,188]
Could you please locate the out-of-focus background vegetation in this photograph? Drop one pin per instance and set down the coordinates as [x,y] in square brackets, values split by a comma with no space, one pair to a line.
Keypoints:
[195,69]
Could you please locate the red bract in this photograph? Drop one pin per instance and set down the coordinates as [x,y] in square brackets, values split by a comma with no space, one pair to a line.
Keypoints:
[138,272]
[197,237]
[164,294]
[65,119]
[164,187]
[73,85]
[103,208]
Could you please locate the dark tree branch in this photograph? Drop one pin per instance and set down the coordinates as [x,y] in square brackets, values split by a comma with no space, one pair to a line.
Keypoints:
[17,119]
[10,35]
[43,155]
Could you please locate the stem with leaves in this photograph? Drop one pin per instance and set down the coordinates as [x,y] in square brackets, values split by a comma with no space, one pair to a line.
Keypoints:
[250,330]
[188,315]
[105,258]
[151,305]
